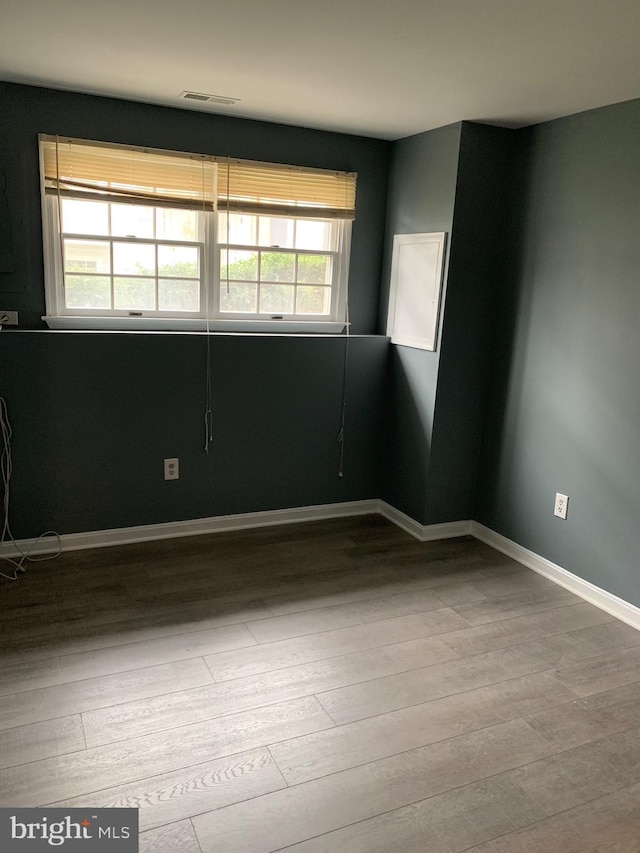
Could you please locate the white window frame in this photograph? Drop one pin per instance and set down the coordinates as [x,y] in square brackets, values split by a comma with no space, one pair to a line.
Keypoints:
[340,270]
[54,278]
[209,317]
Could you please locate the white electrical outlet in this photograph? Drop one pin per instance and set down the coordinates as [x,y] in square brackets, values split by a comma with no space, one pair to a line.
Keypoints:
[8,318]
[562,505]
[171,469]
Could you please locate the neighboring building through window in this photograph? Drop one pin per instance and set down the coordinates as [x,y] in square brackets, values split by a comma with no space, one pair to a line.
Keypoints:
[178,240]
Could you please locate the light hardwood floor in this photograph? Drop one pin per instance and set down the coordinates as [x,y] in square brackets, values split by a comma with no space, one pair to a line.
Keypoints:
[335,686]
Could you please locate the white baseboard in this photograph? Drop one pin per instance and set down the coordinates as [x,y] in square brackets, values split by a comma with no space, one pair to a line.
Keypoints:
[240,521]
[606,601]
[423,532]
[195,527]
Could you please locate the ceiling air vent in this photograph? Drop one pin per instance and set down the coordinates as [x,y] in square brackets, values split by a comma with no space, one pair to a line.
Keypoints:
[208,99]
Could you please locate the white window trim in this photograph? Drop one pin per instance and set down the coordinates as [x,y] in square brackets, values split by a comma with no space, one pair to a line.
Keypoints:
[59,317]
[166,324]
[339,285]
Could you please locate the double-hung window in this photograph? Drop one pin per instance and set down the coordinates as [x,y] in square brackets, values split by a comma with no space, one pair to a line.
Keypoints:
[140,238]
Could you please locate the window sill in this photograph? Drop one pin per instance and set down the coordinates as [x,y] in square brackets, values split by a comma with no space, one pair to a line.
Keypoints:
[160,324]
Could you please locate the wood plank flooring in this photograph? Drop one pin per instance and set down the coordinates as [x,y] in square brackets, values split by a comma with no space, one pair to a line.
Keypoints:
[335,686]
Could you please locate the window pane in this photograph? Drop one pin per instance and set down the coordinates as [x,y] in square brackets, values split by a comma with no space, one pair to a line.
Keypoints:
[178,260]
[239,297]
[238,265]
[275,231]
[131,220]
[313,300]
[87,291]
[276,299]
[174,224]
[314,269]
[85,217]
[277,266]
[178,295]
[313,234]
[242,227]
[134,258]
[86,256]
[134,294]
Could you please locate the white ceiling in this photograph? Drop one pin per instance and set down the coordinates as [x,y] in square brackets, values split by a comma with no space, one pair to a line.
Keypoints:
[372,67]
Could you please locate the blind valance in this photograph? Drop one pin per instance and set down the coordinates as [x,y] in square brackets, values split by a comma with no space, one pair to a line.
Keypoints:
[195,181]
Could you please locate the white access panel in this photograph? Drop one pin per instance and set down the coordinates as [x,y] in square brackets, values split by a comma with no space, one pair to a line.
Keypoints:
[416,284]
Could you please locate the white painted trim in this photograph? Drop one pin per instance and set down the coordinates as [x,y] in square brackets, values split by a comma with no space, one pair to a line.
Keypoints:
[74,322]
[240,521]
[195,527]
[423,532]
[408,524]
[606,601]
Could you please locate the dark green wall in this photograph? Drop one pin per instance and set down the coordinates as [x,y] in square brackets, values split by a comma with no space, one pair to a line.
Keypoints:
[422,190]
[94,415]
[455,179]
[479,260]
[565,408]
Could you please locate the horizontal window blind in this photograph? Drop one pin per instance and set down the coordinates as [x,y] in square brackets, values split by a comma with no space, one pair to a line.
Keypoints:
[117,173]
[269,188]
[144,176]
